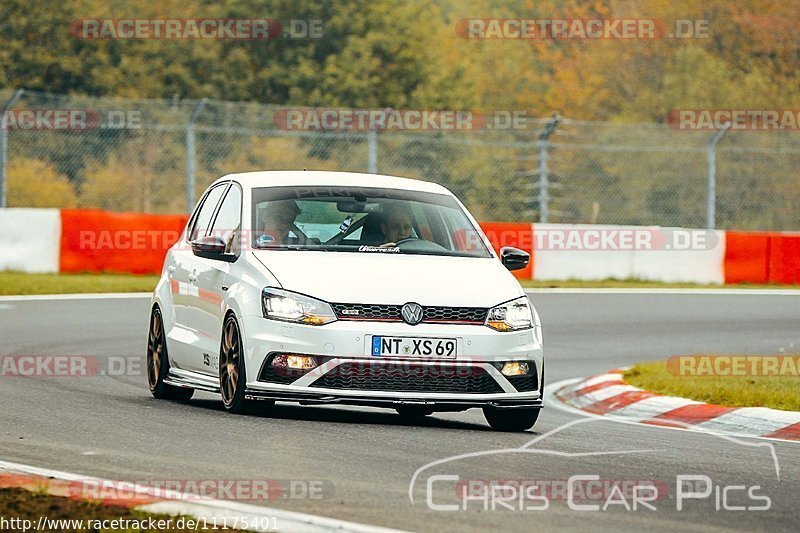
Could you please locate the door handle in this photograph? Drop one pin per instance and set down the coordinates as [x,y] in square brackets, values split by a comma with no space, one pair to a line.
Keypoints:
[192,277]
[171,269]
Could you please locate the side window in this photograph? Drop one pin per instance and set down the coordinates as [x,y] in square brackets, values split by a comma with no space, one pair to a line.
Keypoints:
[203,219]
[229,218]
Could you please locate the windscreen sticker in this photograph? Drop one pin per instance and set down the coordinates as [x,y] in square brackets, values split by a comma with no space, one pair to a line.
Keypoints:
[379,249]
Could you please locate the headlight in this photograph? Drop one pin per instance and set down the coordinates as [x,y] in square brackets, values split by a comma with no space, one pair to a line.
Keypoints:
[511,316]
[288,306]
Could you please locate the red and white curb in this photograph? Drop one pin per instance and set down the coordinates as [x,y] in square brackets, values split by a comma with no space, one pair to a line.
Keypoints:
[155,501]
[607,395]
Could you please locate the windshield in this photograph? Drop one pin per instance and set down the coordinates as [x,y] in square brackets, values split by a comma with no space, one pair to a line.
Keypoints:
[367,220]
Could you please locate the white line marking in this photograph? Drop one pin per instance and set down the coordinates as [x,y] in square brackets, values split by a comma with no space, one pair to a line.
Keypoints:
[289,521]
[90,296]
[734,292]
[552,401]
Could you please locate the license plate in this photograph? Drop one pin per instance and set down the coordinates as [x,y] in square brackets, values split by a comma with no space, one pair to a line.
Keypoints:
[413,347]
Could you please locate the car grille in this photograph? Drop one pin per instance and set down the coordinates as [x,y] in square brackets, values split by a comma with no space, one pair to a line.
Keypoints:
[430,315]
[409,377]
[526,383]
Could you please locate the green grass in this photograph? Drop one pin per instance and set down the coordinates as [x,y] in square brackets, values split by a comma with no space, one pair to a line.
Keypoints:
[732,391]
[18,283]
[639,284]
[21,504]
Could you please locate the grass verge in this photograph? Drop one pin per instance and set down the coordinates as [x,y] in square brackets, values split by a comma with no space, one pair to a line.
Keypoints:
[20,283]
[28,506]
[732,391]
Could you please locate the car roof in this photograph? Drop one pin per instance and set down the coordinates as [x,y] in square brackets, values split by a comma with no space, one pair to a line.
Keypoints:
[282,178]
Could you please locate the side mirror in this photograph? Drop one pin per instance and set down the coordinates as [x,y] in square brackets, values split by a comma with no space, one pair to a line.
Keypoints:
[514,258]
[211,247]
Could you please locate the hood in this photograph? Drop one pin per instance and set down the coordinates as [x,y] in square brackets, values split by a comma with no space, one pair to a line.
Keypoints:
[352,277]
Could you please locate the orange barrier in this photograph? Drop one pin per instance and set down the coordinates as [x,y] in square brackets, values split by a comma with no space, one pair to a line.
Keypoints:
[102,241]
[746,257]
[784,259]
[762,257]
[519,235]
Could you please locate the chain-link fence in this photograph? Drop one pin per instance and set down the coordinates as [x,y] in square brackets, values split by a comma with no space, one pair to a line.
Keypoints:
[158,156]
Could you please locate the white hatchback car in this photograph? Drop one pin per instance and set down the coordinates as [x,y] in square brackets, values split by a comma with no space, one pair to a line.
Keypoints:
[334,287]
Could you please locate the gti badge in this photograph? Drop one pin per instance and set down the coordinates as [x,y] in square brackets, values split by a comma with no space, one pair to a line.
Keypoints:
[412,313]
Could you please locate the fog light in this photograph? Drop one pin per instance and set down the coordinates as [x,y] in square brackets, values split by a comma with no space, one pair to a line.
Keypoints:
[515,368]
[296,362]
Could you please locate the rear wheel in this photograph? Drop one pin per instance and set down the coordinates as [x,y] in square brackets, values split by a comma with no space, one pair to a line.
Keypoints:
[511,419]
[158,362]
[231,368]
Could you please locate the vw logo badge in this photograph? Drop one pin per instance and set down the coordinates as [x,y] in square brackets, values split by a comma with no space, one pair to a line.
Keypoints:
[412,313]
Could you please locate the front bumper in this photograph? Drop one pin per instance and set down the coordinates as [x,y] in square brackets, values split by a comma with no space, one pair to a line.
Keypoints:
[348,374]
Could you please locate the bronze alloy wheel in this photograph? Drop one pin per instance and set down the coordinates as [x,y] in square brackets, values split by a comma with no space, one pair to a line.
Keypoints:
[155,347]
[231,368]
[158,362]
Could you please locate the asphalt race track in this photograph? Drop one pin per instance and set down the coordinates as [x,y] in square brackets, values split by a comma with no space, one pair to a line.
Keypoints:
[110,426]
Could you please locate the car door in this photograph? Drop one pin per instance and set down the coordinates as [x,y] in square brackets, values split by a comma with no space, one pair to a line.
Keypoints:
[183,336]
[213,280]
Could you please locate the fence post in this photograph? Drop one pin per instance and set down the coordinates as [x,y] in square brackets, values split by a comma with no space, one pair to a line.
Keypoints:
[190,155]
[711,178]
[544,144]
[4,145]
[372,147]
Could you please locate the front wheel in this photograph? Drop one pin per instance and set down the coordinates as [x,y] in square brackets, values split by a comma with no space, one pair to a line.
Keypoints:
[232,378]
[511,419]
[158,363]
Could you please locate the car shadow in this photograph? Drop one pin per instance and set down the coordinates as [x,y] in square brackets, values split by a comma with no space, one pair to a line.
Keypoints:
[333,414]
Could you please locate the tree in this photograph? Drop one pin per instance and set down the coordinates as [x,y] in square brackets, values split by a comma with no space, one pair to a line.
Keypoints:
[34,183]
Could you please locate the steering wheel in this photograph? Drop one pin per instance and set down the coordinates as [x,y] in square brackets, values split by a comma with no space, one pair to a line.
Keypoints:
[416,244]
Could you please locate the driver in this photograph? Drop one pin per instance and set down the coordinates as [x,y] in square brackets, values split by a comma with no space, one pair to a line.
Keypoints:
[277,221]
[397,224]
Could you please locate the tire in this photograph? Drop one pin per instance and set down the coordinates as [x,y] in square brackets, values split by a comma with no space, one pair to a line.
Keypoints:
[232,372]
[511,419]
[413,411]
[157,363]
